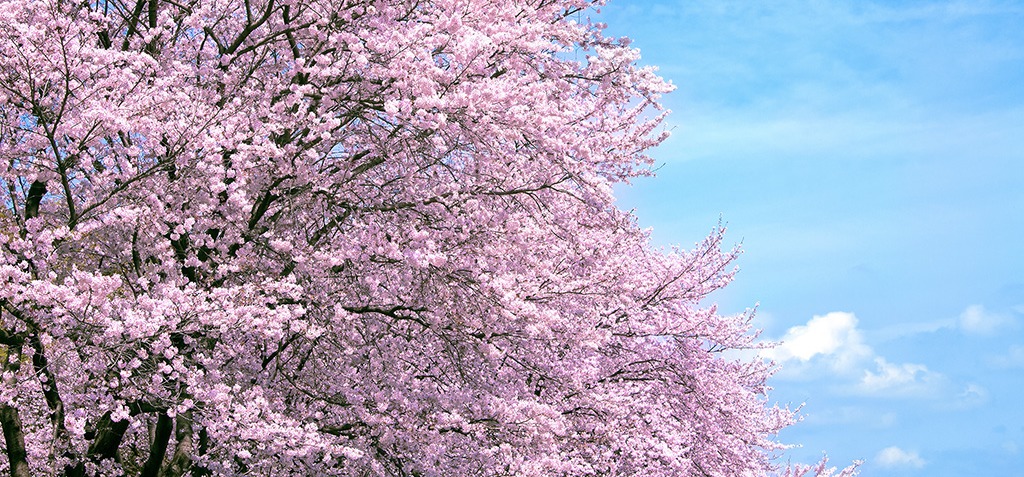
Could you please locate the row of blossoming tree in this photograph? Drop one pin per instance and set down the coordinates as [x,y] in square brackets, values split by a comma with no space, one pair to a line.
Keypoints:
[349,237]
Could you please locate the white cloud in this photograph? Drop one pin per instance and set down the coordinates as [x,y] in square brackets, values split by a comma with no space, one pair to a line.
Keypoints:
[891,457]
[976,320]
[831,346]
[899,379]
[833,335]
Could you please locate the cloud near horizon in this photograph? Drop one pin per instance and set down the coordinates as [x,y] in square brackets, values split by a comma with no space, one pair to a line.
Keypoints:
[894,457]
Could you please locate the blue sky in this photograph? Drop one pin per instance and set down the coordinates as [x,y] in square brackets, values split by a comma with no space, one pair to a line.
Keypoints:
[870,158]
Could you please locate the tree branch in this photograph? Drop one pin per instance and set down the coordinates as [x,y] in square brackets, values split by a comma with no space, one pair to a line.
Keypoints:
[11,339]
[49,384]
[249,28]
[35,196]
[14,440]
[108,437]
[158,448]
[133,23]
[182,458]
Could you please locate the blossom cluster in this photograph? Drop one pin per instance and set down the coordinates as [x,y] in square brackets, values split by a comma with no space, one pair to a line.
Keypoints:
[349,237]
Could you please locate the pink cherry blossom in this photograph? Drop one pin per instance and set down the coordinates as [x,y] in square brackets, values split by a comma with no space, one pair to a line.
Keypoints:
[350,237]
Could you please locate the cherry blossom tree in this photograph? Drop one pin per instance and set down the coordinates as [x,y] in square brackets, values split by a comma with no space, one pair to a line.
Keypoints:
[350,237]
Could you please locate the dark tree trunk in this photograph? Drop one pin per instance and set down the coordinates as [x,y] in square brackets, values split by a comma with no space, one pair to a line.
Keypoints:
[14,440]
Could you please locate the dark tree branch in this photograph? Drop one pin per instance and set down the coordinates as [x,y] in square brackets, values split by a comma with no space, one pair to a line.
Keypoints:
[68,196]
[151,46]
[49,384]
[11,339]
[182,458]
[14,440]
[108,437]
[35,196]
[158,448]
[109,434]
[204,445]
[133,23]
[249,28]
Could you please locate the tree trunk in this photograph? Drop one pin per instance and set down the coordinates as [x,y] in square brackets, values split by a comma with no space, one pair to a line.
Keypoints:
[14,439]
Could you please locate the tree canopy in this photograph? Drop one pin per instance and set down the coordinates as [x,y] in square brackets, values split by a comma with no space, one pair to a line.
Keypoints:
[350,237]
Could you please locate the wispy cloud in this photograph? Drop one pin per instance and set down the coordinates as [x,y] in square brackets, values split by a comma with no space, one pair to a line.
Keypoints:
[853,414]
[827,79]
[952,10]
[848,134]
[1013,358]
[972,396]
[977,320]
[904,379]
[973,320]
[894,457]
